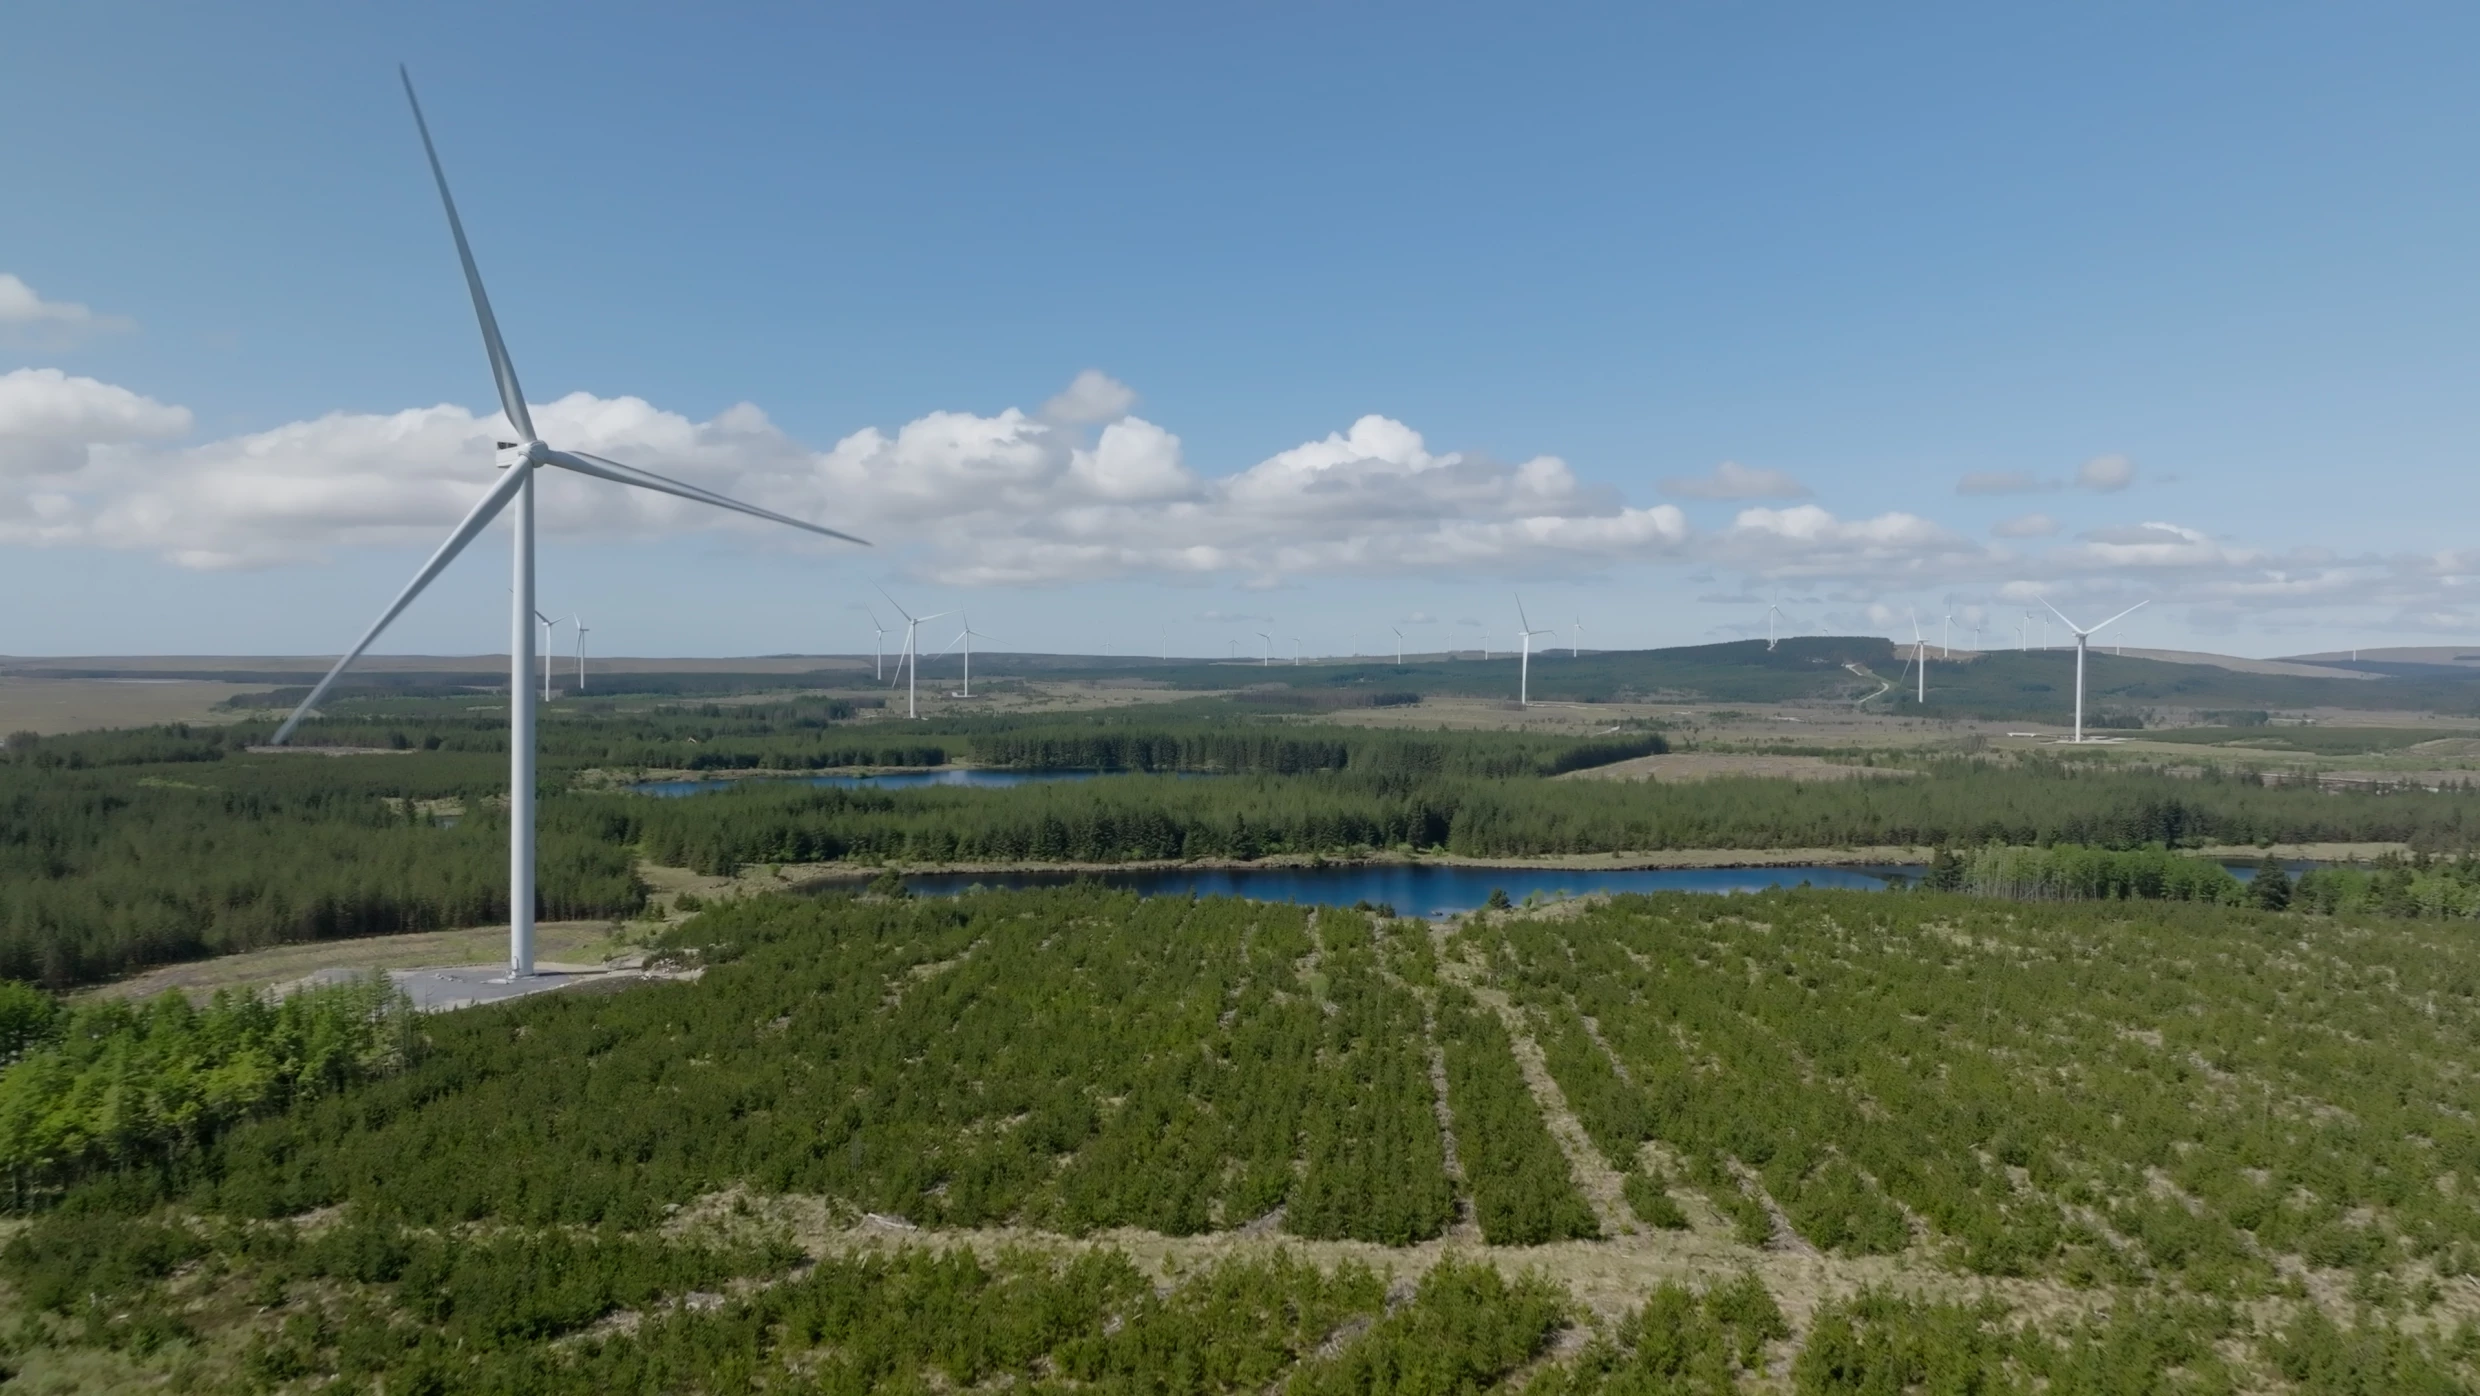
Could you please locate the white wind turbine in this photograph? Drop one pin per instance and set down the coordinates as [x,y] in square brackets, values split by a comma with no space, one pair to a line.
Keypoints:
[968,635]
[1576,650]
[878,648]
[2081,636]
[1399,647]
[1524,668]
[580,623]
[1920,660]
[515,487]
[547,624]
[1773,613]
[1267,658]
[908,663]
[1295,651]
[1946,637]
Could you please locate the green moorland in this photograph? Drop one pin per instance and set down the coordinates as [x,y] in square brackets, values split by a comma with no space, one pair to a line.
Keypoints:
[1071,1140]
[2029,685]
[128,849]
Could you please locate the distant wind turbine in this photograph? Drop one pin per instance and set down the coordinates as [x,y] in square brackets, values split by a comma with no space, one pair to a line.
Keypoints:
[878,651]
[2081,637]
[1268,657]
[547,623]
[1773,613]
[908,663]
[1946,636]
[1399,647]
[1576,650]
[968,635]
[580,623]
[1920,658]
[1524,668]
[1295,651]
[515,487]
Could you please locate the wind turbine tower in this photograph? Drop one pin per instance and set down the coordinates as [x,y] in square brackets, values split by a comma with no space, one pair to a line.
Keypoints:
[1399,647]
[2082,637]
[968,636]
[1267,658]
[514,488]
[909,662]
[1920,660]
[878,648]
[1524,668]
[580,623]
[547,623]
[1773,613]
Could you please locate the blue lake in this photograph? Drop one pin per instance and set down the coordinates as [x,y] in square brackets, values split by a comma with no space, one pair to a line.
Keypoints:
[1440,890]
[1426,889]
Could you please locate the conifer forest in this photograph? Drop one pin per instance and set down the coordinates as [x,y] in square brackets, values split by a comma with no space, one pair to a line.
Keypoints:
[2071,1105]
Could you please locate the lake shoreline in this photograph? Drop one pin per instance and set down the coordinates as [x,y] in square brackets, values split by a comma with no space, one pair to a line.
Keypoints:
[1720,858]
[1876,855]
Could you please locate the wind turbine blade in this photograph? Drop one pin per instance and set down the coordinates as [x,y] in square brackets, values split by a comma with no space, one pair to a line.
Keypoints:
[2063,616]
[619,474]
[503,372]
[2124,614]
[1527,620]
[484,510]
[890,601]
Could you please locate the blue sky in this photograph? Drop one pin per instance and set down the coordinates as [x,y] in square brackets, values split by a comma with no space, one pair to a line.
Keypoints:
[2211,260]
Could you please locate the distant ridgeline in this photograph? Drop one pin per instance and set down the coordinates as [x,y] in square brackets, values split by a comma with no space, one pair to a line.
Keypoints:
[1998,684]
[289,689]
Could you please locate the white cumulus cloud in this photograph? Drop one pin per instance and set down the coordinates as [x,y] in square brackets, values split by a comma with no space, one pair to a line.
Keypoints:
[1732,480]
[2001,482]
[2105,474]
[1805,540]
[27,319]
[968,498]
[1094,396]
